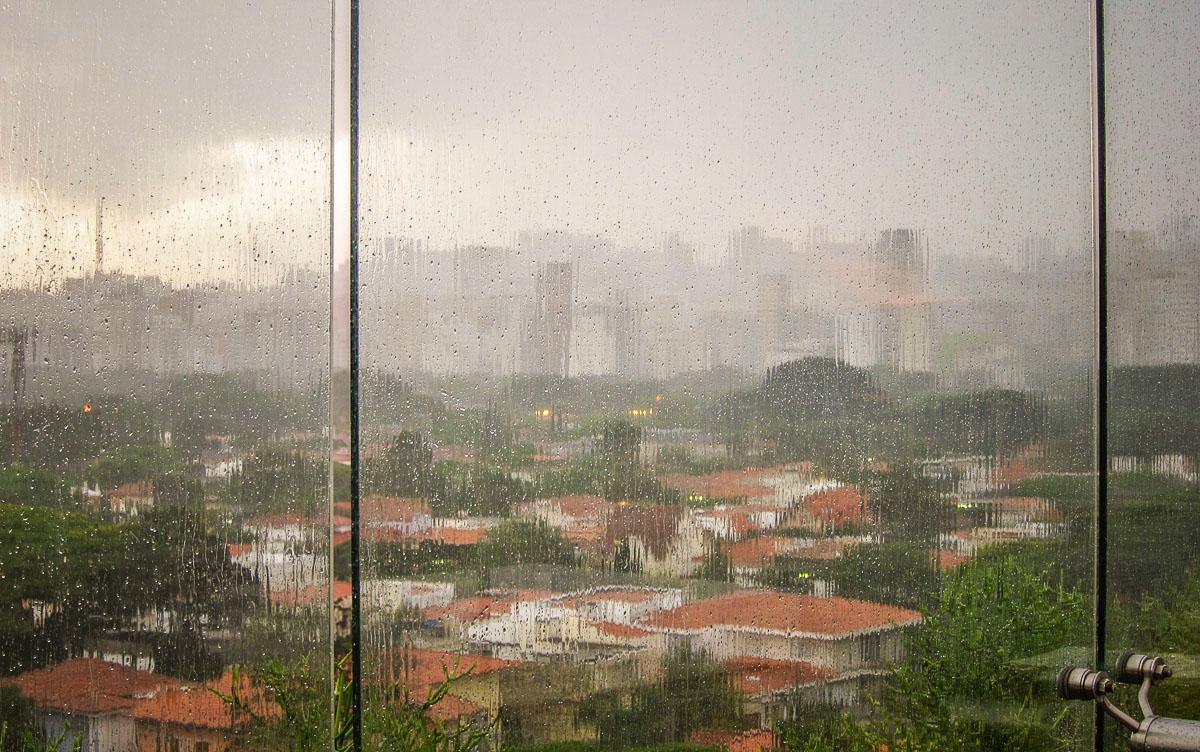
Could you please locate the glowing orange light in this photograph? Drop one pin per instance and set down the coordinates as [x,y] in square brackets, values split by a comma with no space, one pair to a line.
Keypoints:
[87,408]
[658,398]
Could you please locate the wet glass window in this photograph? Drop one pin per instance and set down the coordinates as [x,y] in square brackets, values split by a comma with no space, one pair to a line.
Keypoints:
[675,376]
[164,309]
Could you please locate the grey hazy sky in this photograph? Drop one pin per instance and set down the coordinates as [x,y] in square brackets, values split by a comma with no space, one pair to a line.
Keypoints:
[206,124]
[632,118]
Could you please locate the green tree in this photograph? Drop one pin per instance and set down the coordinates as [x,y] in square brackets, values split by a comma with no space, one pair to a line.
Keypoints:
[278,480]
[33,487]
[525,542]
[897,573]
[404,468]
[130,465]
[57,561]
[967,684]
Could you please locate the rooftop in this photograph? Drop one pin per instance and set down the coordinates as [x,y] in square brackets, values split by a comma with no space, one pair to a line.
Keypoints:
[88,686]
[799,615]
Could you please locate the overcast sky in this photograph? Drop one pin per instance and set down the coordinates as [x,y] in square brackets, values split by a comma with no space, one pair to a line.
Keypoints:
[206,125]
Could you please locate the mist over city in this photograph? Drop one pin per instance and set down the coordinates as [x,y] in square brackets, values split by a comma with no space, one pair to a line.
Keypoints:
[724,377]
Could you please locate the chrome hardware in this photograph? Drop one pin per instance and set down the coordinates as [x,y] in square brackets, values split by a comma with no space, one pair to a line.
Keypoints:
[1154,732]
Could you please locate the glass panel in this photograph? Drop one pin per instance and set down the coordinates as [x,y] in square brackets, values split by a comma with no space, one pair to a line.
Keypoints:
[727,369]
[164,226]
[1154,343]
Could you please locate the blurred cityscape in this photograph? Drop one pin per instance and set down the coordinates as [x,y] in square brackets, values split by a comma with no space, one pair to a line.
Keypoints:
[617,497]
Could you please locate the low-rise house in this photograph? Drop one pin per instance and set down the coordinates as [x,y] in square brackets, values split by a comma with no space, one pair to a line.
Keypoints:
[92,698]
[735,521]
[221,466]
[759,740]
[131,498]
[830,507]
[620,605]
[411,674]
[749,557]
[405,515]
[530,623]
[659,540]
[392,595]
[567,511]
[841,635]
[196,718]
[458,617]
[774,690]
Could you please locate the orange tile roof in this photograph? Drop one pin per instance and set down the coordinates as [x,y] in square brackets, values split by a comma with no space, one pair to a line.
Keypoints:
[312,594]
[756,551]
[842,504]
[142,489]
[784,612]
[286,520]
[471,609]
[451,708]
[654,524]
[197,705]
[620,630]
[392,508]
[949,559]
[725,484]
[419,668]
[621,594]
[747,741]
[87,685]
[237,549]
[448,536]
[758,675]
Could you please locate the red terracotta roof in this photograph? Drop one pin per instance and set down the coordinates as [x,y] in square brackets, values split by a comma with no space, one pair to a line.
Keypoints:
[842,504]
[447,536]
[654,524]
[747,741]
[393,508]
[725,484]
[948,558]
[754,676]
[237,549]
[197,705]
[286,520]
[756,551]
[418,668]
[622,594]
[470,609]
[87,685]
[143,489]
[312,594]
[451,708]
[620,630]
[783,612]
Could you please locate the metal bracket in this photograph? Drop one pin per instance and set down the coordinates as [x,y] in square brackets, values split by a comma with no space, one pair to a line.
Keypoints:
[1153,732]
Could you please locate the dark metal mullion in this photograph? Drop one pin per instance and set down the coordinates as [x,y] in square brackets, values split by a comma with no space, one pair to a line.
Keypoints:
[355,425]
[1100,413]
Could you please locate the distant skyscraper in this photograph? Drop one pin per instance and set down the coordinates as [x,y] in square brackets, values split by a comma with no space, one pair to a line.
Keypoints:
[774,300]
[550,340]
[903,318]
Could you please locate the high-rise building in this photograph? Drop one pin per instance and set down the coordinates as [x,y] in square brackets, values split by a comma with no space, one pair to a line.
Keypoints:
[549,343]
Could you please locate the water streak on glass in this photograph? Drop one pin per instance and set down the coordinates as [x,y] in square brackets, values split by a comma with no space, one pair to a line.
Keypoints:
[164,309]
[726,374]
[1154,346]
